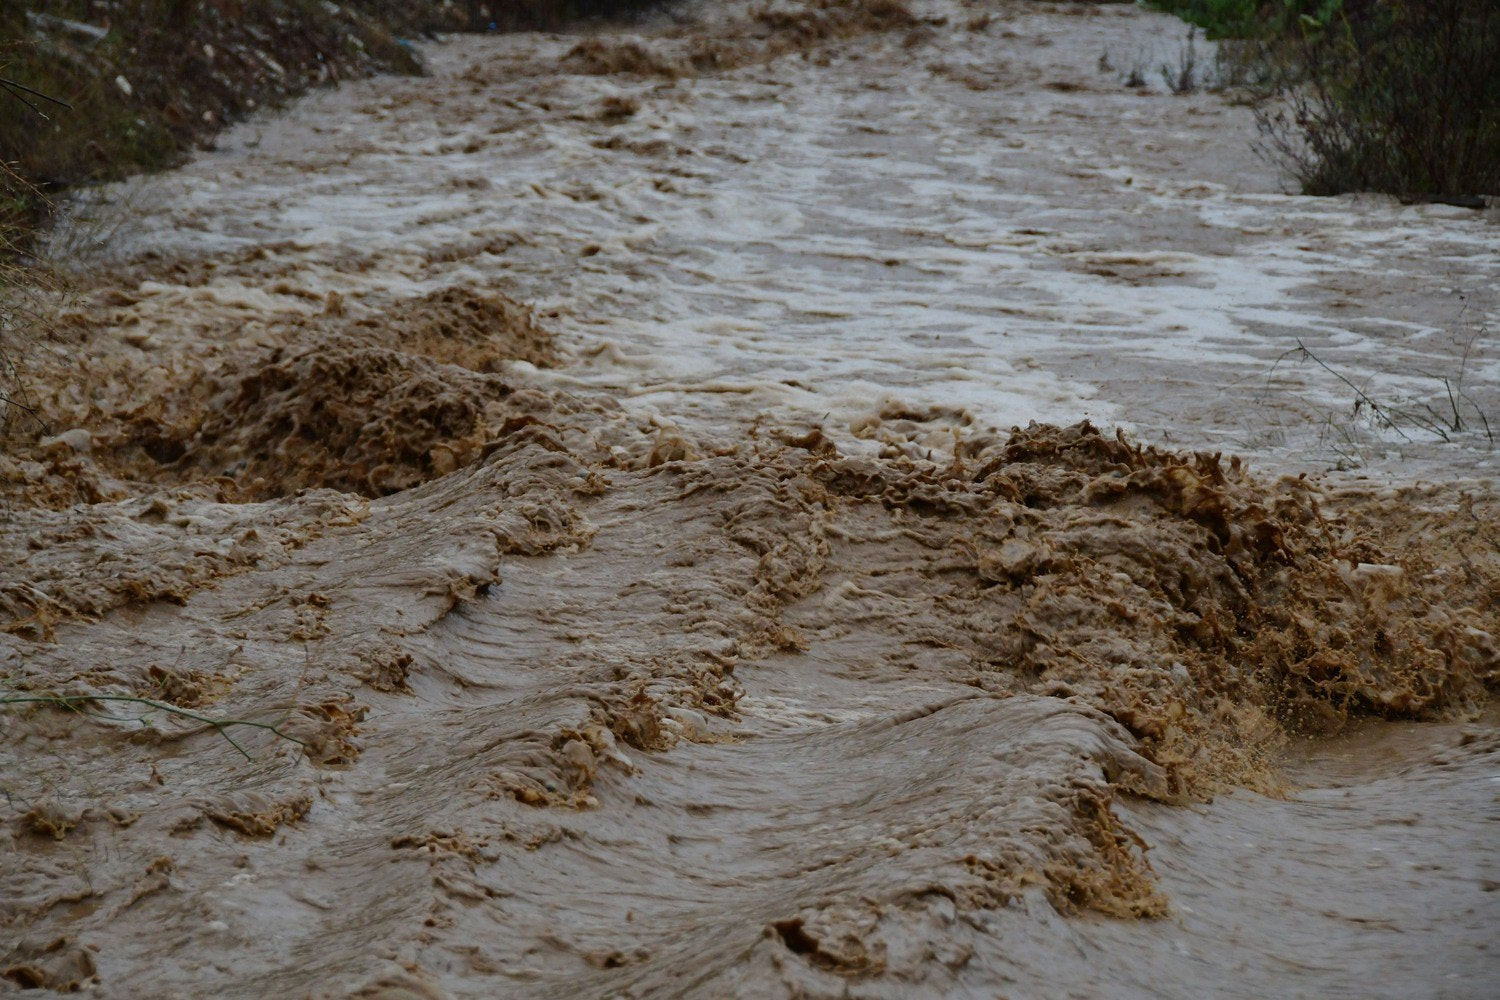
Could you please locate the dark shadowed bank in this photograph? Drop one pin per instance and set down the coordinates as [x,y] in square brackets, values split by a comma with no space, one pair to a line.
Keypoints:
[96,89]
[1396,96]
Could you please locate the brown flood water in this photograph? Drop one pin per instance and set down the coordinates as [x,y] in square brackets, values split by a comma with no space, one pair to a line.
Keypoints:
[608,463]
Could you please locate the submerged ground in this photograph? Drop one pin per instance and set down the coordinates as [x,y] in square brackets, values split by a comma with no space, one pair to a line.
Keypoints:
[609,463]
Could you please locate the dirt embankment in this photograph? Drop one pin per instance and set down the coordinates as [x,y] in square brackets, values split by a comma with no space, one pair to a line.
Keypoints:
[147,80]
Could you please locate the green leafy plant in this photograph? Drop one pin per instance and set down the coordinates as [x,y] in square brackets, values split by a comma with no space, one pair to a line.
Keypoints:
[1252,18]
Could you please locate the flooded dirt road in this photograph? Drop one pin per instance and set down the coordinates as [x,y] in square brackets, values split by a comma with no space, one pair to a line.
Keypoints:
[608,464]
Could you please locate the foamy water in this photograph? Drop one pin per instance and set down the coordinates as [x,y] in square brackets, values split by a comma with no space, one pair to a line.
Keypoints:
[653,693]
[813,239]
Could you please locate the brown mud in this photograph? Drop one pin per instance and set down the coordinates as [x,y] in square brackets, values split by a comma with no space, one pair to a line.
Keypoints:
[355,644]
[768,32]
[964,665]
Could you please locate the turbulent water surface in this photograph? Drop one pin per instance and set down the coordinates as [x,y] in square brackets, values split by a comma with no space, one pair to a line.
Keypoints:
[662,485]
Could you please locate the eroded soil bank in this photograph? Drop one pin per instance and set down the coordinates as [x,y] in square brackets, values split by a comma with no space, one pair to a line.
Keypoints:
[596,464]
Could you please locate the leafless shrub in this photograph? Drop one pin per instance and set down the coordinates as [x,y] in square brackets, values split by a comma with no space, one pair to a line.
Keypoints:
[1182,77]
[1446,413]
[1401,97]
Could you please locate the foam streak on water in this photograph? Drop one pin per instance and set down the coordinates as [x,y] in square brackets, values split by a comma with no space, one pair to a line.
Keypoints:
[984,220]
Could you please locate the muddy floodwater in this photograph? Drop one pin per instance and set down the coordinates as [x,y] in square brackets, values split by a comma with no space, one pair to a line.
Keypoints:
[811,499]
